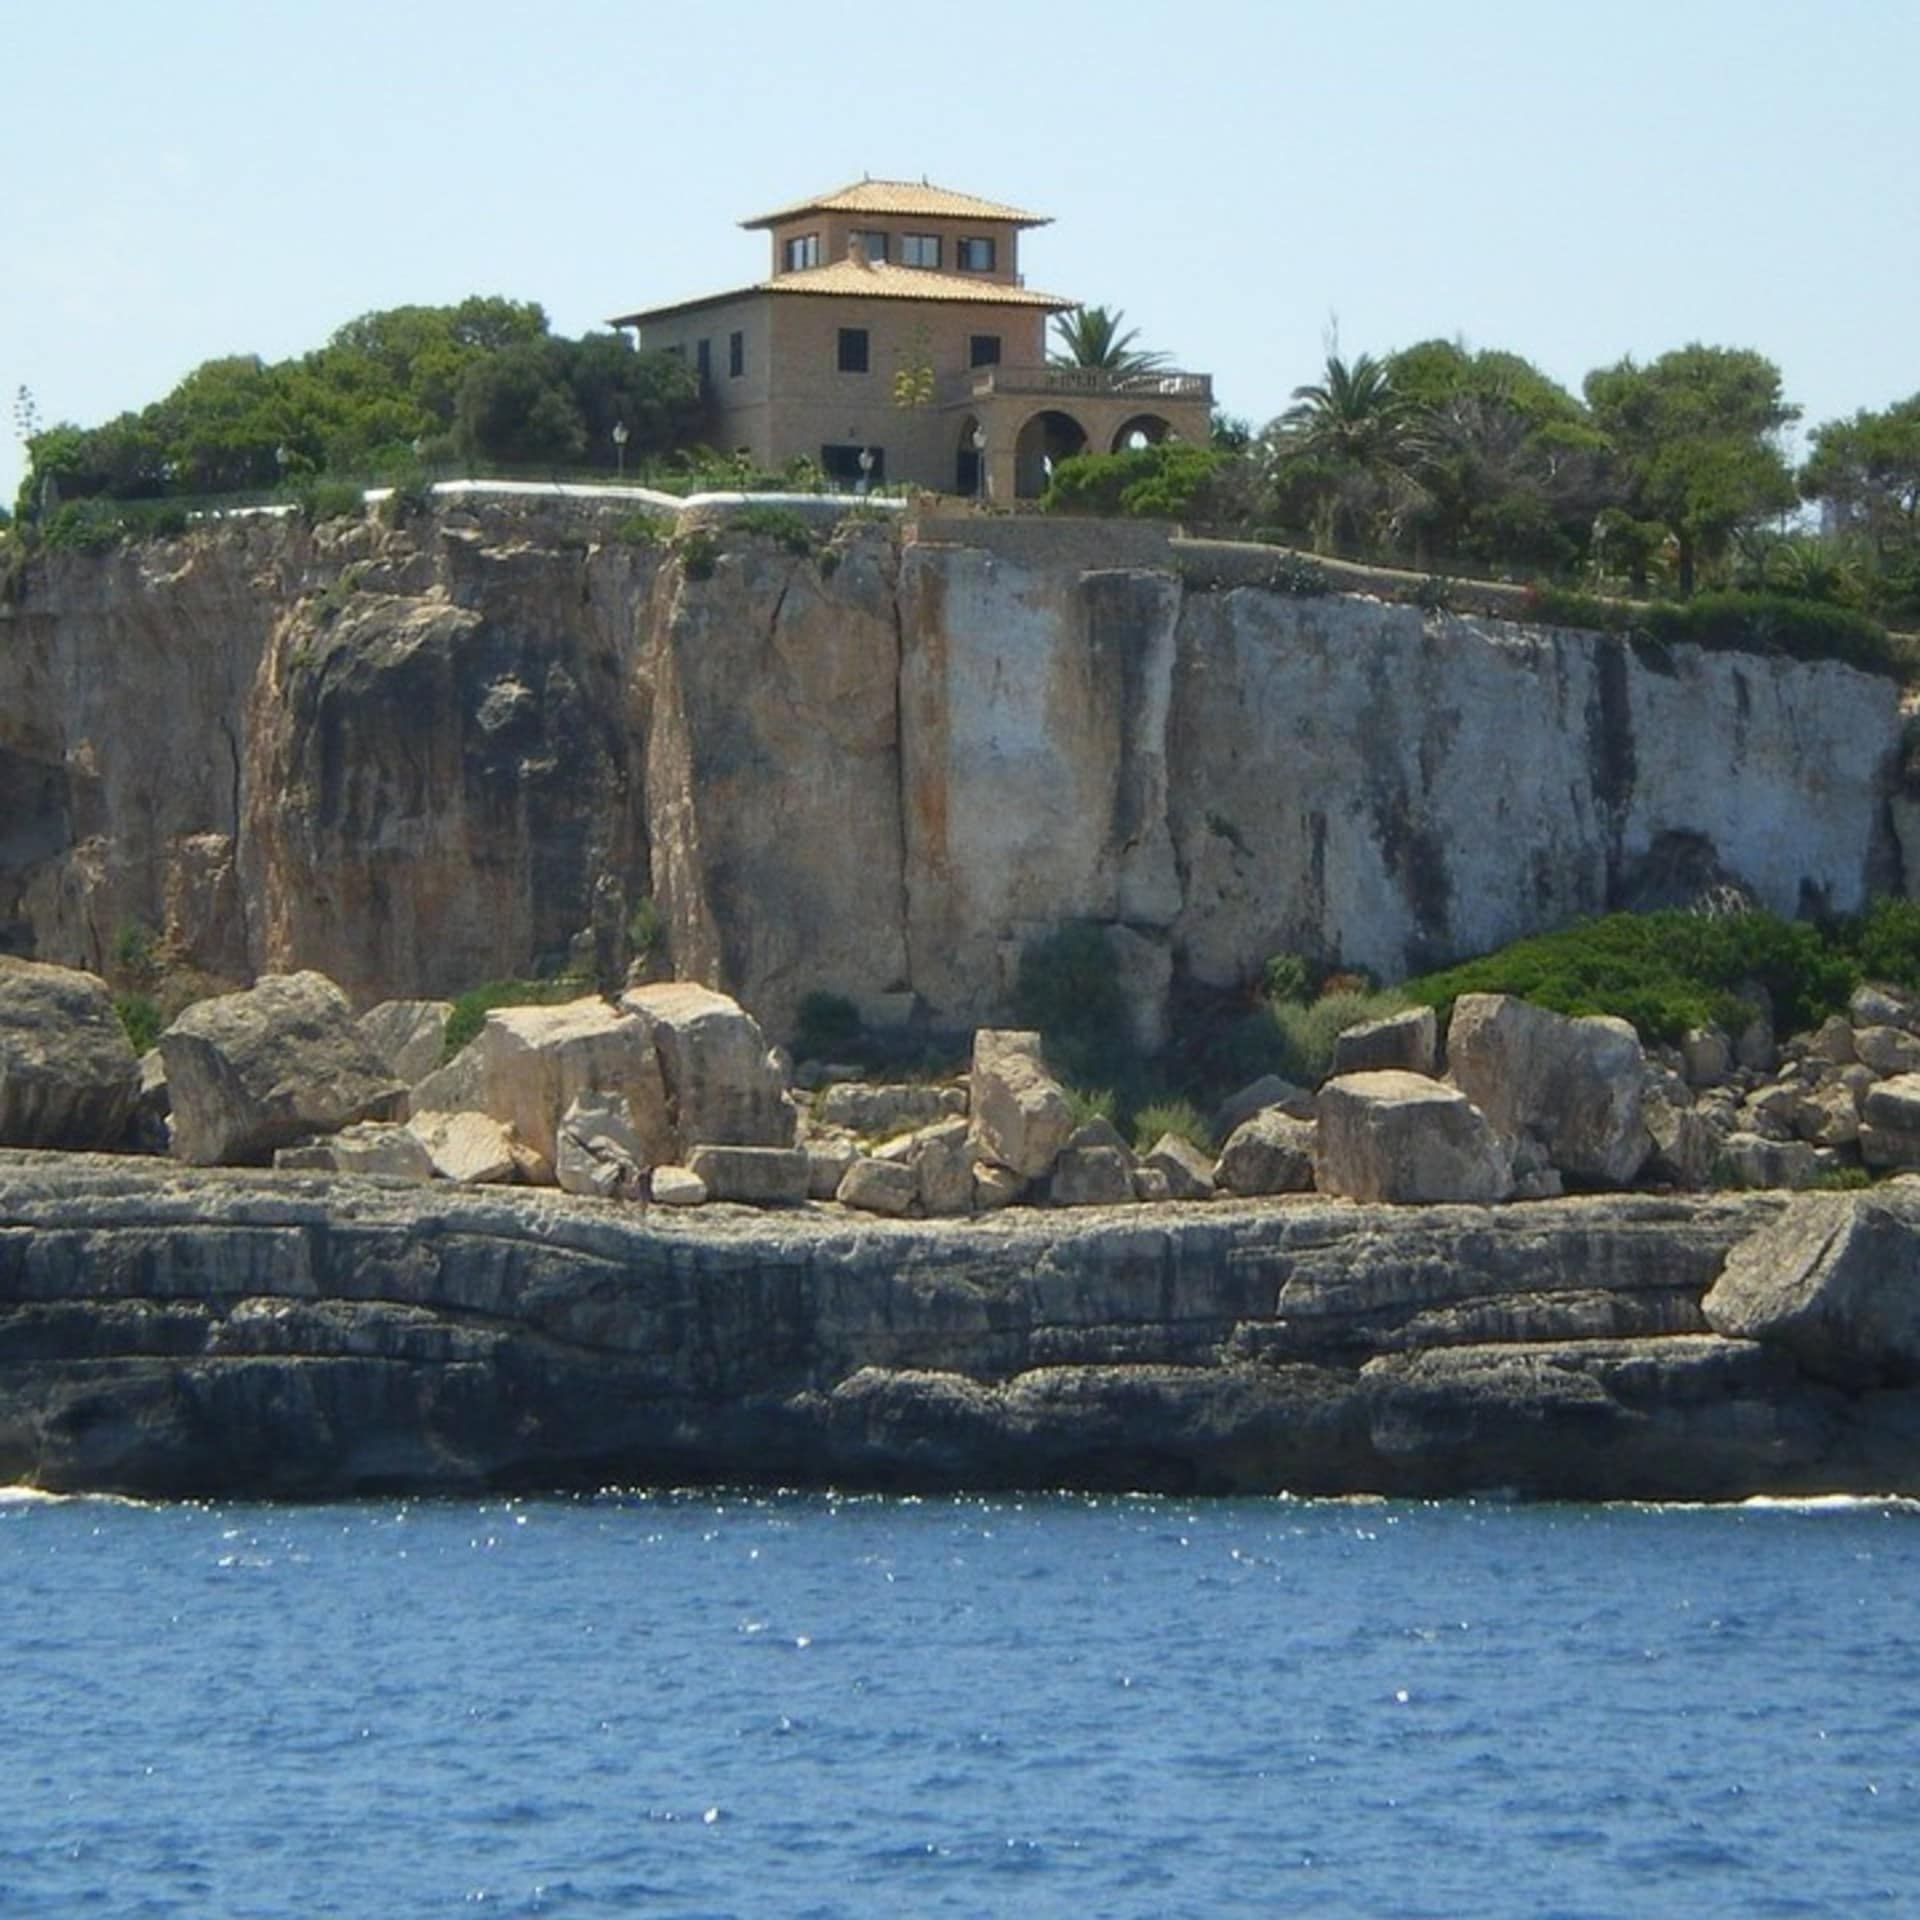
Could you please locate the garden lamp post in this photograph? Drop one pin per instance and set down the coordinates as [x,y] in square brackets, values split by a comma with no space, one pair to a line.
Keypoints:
[866,468]
[979,441]
[620,446]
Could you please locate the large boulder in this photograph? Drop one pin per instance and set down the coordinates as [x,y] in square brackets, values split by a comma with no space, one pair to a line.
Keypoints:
[1835,1280]
[724,1087]
[1094,1175]
[1020,1115]
[600,1154]
[1573,1084]
[1406,1042]
[878,1186]
[1187,1171]
[409,1035]
[1405,1139]
[375,1147]
[941,1157]
[68,1074]
[754,1176]
[250,1072]
[1270,1153]
[529,1064]
[470,1149]
[1268,1091]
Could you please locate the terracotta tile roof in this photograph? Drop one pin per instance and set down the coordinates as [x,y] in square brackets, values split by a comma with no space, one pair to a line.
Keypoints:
[873,281]
[900,197]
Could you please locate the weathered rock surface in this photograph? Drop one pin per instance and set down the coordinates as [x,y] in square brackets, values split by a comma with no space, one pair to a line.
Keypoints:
[1019,1111]
[529,1064]
[723,1088]
[1836,1283]
[1406,1042]
[878,1186]
[1269,1153]
[600,1154]
[471,1149]
[408,1035]
[876,1110]
[754,1176]
[68,1075]
[167,1331]
[1187,1171]
[411,756]
[250,1072]
[372,1147]
[1574,1085]
[1403,1139]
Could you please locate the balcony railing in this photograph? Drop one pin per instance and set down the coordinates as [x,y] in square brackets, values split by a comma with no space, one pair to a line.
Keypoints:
[1085,383]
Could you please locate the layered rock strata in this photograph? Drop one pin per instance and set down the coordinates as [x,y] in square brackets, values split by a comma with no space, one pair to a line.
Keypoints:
[177,1332]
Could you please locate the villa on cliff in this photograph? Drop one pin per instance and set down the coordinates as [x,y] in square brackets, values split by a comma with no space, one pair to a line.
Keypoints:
[895,339]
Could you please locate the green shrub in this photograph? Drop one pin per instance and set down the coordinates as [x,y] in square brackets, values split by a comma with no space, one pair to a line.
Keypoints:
[1299,575]
[1777,623]
[135,955]
[1307,1030]
[1665,972]
[1088,1104]
[698,552]
[1885,942]
[406,501]
[638,530]
[1069,990]
[330,500]
[1162,482]
[1179,1117]
[827,1027]
[785,528]
[646,929]
[470,1010]
[1841,1180]
[1561,607]
[1286,976]
[140,1018]
[1434,594]
[83,526]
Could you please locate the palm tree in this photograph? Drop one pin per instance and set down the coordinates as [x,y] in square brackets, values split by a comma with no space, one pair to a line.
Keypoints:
[1091,337]
[1353,442]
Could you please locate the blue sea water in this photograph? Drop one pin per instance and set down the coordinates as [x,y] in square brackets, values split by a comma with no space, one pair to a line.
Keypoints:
[806,1706]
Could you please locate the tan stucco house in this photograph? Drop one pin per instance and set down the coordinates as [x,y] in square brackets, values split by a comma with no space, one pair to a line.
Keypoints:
[895,340]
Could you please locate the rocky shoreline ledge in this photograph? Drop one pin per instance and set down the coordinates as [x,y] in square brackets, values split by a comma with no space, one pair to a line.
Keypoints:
[176,1332]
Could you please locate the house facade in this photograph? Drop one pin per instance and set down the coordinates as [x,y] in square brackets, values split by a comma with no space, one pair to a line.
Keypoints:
[895,340]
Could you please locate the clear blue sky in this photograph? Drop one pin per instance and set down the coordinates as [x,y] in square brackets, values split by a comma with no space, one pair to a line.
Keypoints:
[1573,183]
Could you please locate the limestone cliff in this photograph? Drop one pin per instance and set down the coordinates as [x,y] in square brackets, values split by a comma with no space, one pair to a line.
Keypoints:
[415,757]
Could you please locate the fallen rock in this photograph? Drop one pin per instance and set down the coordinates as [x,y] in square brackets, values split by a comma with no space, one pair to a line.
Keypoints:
[1836,1282]
[149,1130]
[880,1110]
[1187,1171]
[1268,1091]
[1406,1042]
[1706,1056]
[1882,1006]
[367,1147]
[753,1176]
[1150,1186]
[723,1087]
[676,1187]
[249,1072]
[68,1074]
[600,1153]
[470,1149]
[1270,1153]
[1833,1041]
[1686,1144]
[532,1063]
[1894,1103]
[1752,1160]
[1888,1149]
[1887,1050]
[1020,1115]
[1574,1084]
[827,1164]
[995,1187]
[409,1035]
[1402,1138]
[1092,1176]
[879,1186]
[941,1157]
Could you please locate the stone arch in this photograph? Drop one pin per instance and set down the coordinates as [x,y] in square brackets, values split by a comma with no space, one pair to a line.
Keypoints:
[1045,439]
[1144,430]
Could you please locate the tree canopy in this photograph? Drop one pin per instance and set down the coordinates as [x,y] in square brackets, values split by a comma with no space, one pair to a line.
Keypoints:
[484,379]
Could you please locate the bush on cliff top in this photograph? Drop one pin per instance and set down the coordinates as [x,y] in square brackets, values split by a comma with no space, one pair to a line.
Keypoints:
[470,1010]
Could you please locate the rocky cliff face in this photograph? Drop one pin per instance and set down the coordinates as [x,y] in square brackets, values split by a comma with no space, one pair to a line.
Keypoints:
[174,1332]
[417,757]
